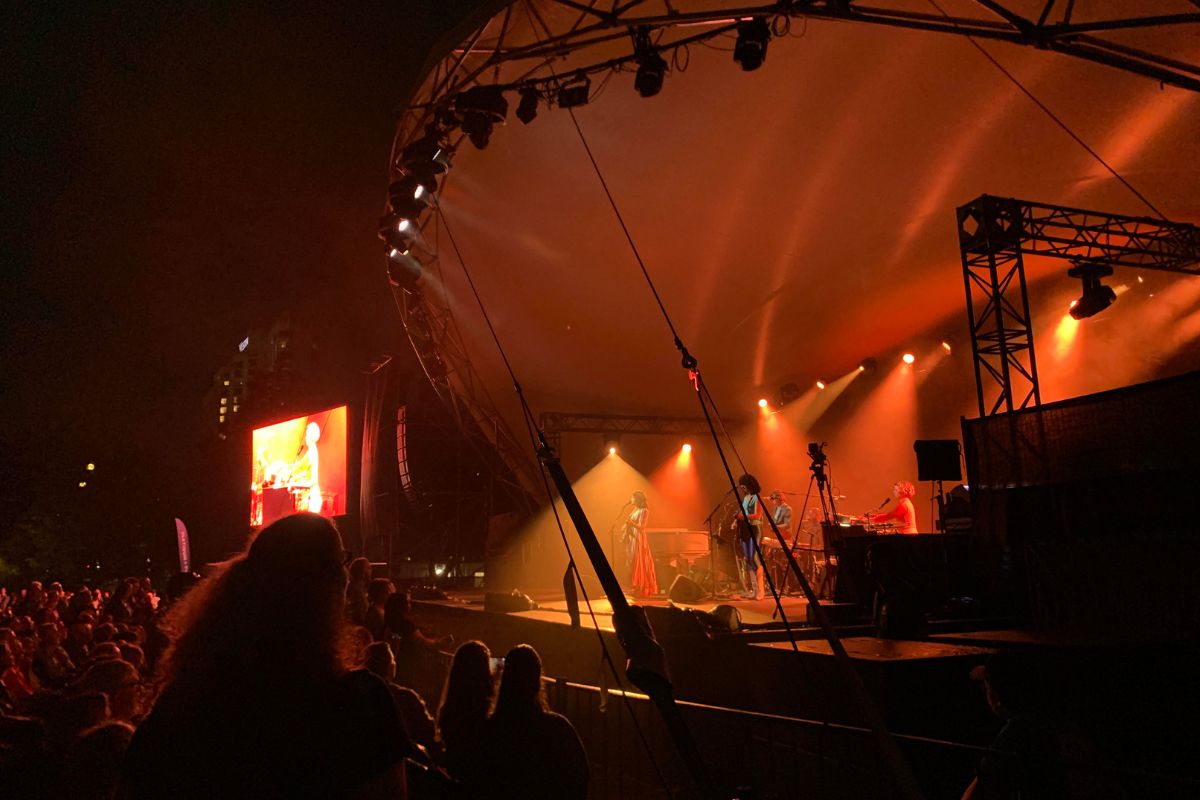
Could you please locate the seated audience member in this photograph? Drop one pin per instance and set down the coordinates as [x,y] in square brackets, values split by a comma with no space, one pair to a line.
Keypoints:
[463,712]
[119,682]
[377,596]
[51,662]
[16,685]
[417,721]
[93,763]
[528,750]
[71,716]
[356,591]
[79,641]
[256,699]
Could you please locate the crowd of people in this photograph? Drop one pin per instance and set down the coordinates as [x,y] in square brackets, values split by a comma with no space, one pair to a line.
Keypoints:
[285,673]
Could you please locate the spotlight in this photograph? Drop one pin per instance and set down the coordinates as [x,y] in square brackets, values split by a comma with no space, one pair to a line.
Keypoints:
[83,484]
[91,467]
[403,270]
[946,347]
[575,94]
[1096,296]
[750,50]
[612,450]
[397,230]
[528,107]
[426,157]
[867,364]
[762,403]
[908,358]
[611,443]
[651,66]
[409,196]
[687,447]
[479,109]
[820,384]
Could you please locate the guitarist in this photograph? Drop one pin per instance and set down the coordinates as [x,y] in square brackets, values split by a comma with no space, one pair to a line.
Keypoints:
[750,536]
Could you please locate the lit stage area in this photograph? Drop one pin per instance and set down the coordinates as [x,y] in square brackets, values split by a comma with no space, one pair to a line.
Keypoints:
[808,343]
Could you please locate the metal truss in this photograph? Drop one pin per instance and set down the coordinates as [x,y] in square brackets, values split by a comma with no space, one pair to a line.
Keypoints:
[995,234]
[556,423]
[532,42]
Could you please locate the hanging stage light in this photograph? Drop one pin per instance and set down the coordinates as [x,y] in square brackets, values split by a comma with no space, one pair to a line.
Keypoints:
[750,50]
[649,79]
[528,107]
[1096,296]
[651,66]
[575,93]
[403,270]
[409,196]
[479,109]
[397,231]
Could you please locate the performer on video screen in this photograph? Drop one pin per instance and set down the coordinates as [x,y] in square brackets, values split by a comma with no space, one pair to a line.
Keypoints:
[305,477]
[904,512]
[638,560]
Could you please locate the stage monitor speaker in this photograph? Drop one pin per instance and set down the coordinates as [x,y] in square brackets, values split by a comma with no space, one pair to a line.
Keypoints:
[501,603]
[938,460]
[686,590]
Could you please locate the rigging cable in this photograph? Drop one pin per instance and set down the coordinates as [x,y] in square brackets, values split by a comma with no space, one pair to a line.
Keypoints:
[1078,139]
[531,426]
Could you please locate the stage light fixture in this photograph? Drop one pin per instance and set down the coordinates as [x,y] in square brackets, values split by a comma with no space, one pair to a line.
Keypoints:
[750,50]
[397,231]
[83,484]
[91,467]
[1096,296]
[687,447]
[479,109]
[403,270]
[908,358]
[575,93]
[946,347]
[867,364]
[527,109]
[651,66]
[409,196]
[611,443]
[789,392]
[820,384]
[426,157]
[762,402]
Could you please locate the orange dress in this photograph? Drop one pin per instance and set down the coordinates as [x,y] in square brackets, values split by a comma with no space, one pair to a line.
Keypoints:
[642,577]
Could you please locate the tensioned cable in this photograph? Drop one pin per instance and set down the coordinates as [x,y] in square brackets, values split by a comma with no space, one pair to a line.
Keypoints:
[530,426]
[1078,139]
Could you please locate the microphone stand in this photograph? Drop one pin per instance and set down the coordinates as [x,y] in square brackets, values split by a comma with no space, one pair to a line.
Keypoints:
[712,536]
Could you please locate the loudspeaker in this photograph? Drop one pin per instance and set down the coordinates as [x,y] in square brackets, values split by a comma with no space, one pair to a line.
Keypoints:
[938,460]
[686,590]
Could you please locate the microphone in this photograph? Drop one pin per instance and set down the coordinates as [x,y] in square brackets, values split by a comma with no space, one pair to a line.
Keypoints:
[885,502]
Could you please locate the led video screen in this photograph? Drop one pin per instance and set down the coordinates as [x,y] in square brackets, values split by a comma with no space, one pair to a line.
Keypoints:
[299,465]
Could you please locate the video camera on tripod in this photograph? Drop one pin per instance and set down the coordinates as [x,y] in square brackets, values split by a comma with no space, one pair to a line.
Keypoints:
[816,452]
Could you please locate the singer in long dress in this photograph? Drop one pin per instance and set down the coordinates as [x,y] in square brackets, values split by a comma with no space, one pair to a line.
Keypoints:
[638,558]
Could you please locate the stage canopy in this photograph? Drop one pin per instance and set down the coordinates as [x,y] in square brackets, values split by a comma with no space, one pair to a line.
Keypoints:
[796,219]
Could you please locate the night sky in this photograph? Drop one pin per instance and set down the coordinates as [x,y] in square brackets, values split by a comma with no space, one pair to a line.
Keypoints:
[175,175]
